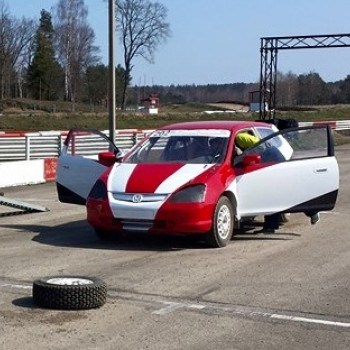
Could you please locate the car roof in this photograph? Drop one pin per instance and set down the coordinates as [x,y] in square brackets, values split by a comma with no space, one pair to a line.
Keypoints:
[216,124]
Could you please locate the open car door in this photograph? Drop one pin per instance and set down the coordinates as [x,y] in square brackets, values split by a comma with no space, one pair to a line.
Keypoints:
[293,170]
[85,155]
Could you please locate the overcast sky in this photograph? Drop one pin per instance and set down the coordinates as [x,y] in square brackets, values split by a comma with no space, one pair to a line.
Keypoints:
[218,41]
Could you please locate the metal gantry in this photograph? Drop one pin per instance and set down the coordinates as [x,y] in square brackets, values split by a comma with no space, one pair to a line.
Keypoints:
[268,67]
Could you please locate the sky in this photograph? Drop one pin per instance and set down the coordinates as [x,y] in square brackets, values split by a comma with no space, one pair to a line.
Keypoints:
[218,41]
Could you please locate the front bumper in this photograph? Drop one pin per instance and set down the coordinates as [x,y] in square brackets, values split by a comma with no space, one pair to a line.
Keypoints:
[189,218]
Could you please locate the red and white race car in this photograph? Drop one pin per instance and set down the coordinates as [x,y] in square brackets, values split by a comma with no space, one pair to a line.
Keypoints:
[188,178]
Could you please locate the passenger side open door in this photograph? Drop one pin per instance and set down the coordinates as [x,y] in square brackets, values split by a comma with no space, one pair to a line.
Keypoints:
[85,155]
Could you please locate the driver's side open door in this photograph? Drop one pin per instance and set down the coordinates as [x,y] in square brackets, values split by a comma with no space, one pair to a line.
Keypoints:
[293,170]
[85,155]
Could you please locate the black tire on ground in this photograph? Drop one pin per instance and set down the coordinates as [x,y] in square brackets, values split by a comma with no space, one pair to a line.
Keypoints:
[69,292]
[223,222]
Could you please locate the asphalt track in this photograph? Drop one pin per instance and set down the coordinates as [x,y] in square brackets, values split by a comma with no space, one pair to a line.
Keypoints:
[290,290]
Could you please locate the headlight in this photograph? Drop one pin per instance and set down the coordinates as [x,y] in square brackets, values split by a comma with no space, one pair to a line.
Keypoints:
[99,191]
[193,194]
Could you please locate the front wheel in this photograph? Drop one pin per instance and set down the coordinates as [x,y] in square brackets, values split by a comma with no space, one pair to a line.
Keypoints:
[223,222]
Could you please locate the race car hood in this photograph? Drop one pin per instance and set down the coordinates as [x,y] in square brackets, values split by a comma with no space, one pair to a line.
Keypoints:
[153,178]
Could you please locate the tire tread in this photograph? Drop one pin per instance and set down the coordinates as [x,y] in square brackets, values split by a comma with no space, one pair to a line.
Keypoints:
[69,297]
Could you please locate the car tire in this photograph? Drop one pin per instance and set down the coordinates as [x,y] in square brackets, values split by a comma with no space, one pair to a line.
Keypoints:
[223,223]
[69,292]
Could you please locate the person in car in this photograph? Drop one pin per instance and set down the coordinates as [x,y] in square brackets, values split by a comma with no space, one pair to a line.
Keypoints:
[216,147]
[245,140]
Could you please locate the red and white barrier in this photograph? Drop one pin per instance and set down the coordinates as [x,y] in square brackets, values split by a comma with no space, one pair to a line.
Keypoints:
[37,171]
[27,172]
[335,125]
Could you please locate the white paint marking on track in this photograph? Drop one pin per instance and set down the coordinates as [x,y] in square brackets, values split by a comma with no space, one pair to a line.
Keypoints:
[173,306]
[169,308]
[20,286]
[310,320]
[196,306]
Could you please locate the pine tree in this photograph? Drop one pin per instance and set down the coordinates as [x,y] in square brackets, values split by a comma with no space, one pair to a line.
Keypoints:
[44,71]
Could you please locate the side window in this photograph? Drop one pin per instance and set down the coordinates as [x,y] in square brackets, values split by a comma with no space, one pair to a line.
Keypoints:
[87,143]
[309,142]
[264,132]
[303,143]
[272,150]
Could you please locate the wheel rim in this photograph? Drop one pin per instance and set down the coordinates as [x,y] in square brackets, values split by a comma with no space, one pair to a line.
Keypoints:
[223,222]
[69,281]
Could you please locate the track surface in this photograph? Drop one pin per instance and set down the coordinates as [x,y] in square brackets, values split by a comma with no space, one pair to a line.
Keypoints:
[290,290]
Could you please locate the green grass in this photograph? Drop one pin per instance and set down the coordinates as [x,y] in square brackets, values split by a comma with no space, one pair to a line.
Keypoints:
[31,115]
[322,113]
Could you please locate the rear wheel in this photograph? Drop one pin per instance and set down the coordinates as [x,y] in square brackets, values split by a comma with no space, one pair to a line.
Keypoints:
[223,223]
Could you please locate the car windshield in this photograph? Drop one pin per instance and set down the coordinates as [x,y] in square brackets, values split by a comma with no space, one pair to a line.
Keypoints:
[182,146]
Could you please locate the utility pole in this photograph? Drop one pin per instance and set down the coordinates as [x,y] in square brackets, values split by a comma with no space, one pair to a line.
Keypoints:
[111,104]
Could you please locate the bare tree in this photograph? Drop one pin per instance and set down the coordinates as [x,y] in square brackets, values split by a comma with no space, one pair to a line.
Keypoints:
[15,38]
[75,46]
[142,27]
[287,88]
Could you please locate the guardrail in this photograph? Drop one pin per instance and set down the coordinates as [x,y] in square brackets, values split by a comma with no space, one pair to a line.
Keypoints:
[48,144]
[41,145]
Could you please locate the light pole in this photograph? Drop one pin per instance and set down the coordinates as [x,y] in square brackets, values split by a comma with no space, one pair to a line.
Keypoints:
[111,51]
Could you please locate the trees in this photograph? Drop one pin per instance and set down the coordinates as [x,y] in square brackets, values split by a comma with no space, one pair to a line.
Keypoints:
[74,38]
[142,26]
[287,89]
[97,81]
[345,90]
[44,70]
[15,39]
[312,90]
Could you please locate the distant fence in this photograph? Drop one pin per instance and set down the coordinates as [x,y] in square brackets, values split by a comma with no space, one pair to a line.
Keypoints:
[47,144]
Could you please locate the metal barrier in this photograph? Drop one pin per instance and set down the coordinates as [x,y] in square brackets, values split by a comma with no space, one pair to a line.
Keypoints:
[41,145]
[48,144]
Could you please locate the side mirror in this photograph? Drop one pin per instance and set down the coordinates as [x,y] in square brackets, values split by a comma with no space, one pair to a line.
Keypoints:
[251,159]
[120,155]
[107,158]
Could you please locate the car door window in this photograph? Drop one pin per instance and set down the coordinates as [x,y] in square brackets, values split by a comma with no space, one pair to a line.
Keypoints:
[85,155]
[87,143]
[309,143]
[289,145]
[264,132]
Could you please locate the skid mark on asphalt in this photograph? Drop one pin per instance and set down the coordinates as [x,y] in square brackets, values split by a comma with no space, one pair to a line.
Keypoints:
[169,306]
